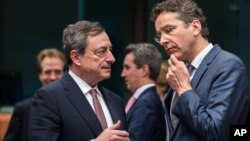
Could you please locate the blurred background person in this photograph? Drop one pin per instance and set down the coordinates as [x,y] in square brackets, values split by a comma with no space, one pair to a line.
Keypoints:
[51,64]
[145,115]
[162,86]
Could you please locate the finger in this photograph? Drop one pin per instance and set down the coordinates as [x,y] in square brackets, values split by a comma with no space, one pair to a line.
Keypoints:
[118,138]
[123,139]
[116,125]
[171,68]
[170,63]
[121,133]
[167,76]
[173,59]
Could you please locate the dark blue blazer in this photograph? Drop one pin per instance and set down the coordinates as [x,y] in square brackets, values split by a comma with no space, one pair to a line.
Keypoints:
[218,99]
[61,112]
[146,118]
[18,126]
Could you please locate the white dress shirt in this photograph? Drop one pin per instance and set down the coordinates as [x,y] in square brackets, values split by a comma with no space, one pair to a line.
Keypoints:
[85,88]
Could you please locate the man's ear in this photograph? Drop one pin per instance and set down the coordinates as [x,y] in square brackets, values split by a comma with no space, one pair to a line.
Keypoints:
[196,27]
[75,57]
[145,70]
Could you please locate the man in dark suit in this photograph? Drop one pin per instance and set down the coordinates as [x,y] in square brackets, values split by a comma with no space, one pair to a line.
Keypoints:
[50,63]
[212,93]
[75,107]
[145,114]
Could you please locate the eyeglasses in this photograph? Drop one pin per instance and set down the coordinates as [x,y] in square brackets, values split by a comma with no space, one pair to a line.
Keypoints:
[167,30]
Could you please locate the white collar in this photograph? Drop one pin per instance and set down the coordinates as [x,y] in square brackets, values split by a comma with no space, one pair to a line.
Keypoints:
[139,91]
[85,88]
[198,59]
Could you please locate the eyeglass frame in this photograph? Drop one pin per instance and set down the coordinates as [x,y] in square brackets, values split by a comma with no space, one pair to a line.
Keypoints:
[167,30]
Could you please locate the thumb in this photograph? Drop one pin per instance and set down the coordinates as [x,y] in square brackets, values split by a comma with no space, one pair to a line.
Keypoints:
[116,125]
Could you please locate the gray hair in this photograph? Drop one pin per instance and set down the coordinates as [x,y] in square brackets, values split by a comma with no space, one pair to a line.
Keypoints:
[75,36]
[146,53]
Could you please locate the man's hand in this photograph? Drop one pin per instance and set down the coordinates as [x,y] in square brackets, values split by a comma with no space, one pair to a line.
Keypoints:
[113,134]
[178,76]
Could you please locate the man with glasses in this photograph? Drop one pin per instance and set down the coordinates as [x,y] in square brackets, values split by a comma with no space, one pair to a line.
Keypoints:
[211,93]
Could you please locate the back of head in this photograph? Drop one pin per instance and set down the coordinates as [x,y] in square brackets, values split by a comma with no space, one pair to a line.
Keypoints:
[75,36]
[146,53]
[161,79]
[187,10]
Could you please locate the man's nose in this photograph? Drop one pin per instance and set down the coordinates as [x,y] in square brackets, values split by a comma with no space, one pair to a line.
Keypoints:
[164,39]
[110,57]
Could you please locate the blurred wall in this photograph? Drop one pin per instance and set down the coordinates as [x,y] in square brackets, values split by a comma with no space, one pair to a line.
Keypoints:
[27,27]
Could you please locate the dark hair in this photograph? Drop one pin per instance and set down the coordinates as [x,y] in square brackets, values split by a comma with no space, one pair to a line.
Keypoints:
[146,53]
[187,10]
[75,36]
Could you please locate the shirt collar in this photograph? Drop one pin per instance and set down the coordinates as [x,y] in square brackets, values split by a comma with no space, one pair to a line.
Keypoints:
[85,88]
[139,91]
[197,60]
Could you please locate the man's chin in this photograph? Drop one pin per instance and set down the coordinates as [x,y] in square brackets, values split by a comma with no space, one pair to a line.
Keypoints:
[106,76]
[178,56]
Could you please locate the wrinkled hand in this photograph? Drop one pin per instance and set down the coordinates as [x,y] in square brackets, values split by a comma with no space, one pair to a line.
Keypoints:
[113,134]
[178,76]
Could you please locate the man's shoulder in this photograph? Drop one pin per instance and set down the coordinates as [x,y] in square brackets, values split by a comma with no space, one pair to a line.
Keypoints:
[150,92]
[225,55]
[55,85]
[150,96]
[23,105]
[24,102]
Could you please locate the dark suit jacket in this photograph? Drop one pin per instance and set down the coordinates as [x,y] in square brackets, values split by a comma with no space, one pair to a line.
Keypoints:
[18,126]
[218,99]
[61,112]
[146,118]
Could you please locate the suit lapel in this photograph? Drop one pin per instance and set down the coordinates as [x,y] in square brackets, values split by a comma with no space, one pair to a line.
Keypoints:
[203,66]
[82,105]
[199,73]
[166,106]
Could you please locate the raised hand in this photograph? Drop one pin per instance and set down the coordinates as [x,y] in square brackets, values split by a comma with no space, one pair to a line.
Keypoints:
[178,76]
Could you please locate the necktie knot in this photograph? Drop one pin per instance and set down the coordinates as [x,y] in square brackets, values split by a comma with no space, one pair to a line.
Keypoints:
[190,68]
[93,92]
